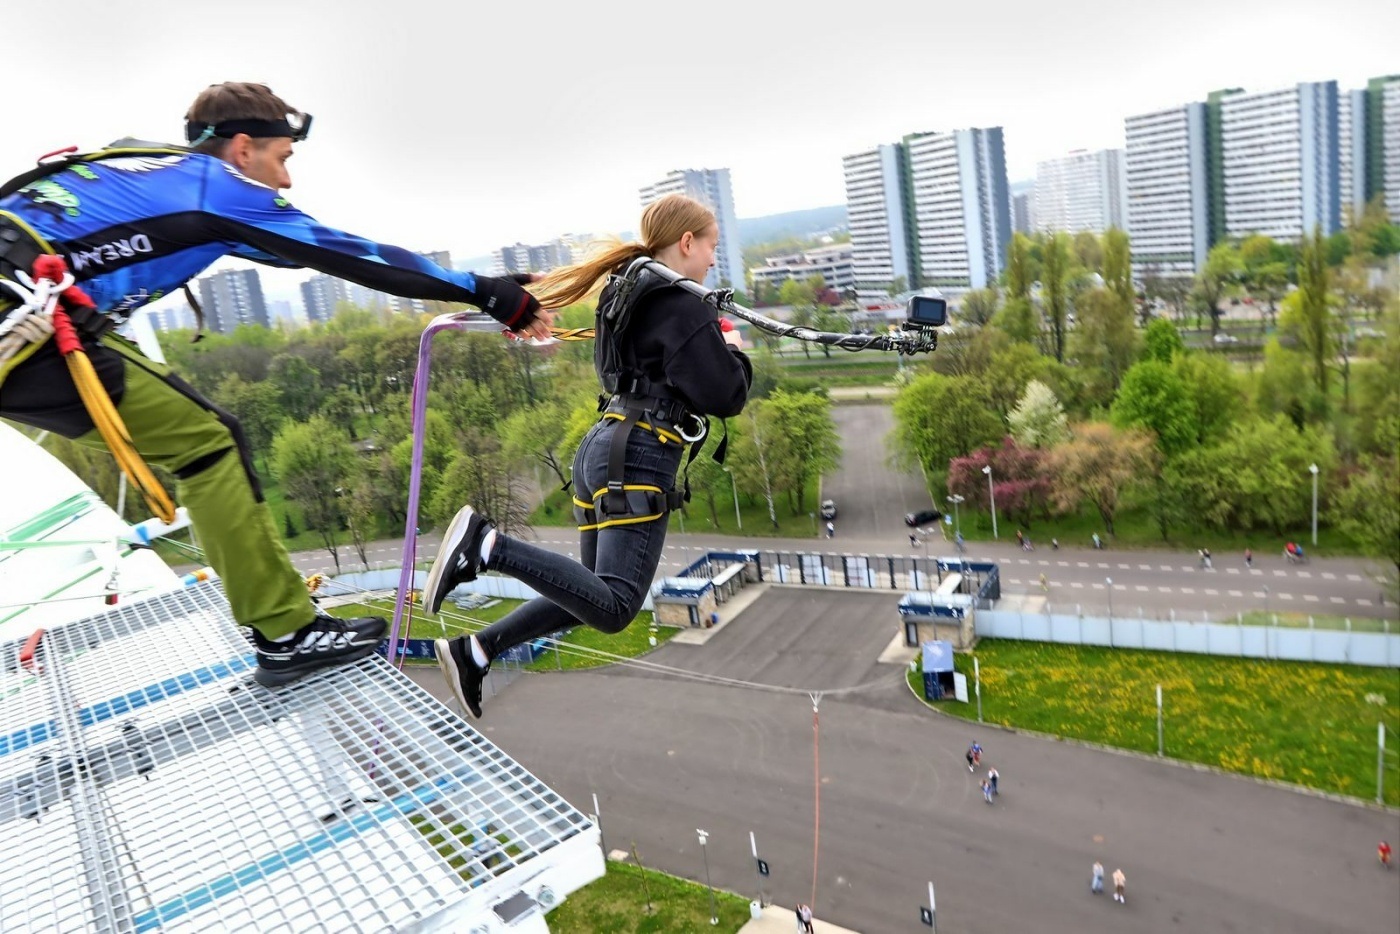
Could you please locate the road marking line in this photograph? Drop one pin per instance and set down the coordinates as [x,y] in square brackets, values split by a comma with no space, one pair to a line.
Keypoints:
[1126,567]
[1232,570]
[1142,589]
[1305,574]
[1063,564]
[1361,602]
[1339,599]
[1310,598]
[1280,574]
[1188,590]
[1144,567]
[1164,590]
[1077,585]
[1104,564]
[1235,593]
[1166,567]
[1328,576]
[1285,596]
[1212,593]
[1083,564]
[1354,577]
[1098,586]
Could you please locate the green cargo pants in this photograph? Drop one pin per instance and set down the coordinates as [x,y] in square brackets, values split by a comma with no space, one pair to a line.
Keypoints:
[174,427]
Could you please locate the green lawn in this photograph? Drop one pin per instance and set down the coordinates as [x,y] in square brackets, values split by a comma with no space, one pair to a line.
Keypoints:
[557,511]
[617,904]
[1312,725]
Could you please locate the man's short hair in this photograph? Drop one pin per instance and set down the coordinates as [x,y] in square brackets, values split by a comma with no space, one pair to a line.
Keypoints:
[235,100]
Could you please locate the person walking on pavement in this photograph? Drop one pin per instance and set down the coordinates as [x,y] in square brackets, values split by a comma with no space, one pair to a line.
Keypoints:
[987,791]
[804,915]
[992,777]
[970,766]
[1096,881]
[1248,558]
[1120,882]
[976,753]
[831,530]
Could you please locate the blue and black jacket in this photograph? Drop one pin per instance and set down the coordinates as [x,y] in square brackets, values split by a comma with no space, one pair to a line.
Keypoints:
[133,228]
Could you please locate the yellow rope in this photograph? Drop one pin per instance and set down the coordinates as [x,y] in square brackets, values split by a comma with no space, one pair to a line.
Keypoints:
[113,430]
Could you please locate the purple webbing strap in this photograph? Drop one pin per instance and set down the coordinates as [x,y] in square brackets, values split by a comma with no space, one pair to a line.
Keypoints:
[457,321]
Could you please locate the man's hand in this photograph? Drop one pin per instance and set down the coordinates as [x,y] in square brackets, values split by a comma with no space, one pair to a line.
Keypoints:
[504,300]
[29,329]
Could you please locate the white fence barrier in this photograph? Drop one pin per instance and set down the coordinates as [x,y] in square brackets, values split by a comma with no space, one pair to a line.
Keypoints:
[1273,642]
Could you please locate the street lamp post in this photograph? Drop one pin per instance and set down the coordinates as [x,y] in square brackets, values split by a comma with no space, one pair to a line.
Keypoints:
[991,495]
[1108,581]
[1312,469]
[957,523]
[714,914]
[734,484]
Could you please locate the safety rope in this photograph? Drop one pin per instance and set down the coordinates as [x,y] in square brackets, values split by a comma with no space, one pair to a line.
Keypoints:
[816,793]
[50,292]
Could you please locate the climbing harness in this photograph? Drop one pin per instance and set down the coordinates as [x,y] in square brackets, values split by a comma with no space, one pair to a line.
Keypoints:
[50,295]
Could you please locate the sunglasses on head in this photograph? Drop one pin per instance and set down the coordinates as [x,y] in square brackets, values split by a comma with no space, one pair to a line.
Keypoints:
[294,126]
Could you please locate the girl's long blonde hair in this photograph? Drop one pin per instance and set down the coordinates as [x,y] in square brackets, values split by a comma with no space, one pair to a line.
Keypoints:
[664,222]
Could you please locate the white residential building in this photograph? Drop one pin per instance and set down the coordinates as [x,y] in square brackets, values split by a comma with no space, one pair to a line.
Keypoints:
[1279,161]
[710,187]
[1023,207]
[833,263]
[1165,170]
[1389,134]
[1351,152]
[232,297]
[875,212]
[959,211]
[1080,192]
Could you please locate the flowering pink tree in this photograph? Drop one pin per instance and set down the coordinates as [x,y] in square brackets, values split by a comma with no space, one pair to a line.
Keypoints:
[1020,476]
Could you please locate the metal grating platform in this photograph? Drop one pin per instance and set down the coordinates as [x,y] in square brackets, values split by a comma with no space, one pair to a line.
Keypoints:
[146,783]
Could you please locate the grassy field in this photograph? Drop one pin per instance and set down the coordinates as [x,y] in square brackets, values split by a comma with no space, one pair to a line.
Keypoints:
[1312,725]
[557,511]
[618,904]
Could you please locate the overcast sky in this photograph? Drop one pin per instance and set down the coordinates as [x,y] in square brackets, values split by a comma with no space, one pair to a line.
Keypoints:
[442,125]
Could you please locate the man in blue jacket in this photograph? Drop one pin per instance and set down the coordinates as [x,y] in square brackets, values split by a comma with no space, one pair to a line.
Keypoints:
[140,222]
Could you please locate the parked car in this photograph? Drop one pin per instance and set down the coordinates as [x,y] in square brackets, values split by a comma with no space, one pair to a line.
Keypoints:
[828,509]
[1223,338]
[922,517]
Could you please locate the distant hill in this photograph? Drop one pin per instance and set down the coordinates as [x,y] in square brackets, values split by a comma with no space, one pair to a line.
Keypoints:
[800,224]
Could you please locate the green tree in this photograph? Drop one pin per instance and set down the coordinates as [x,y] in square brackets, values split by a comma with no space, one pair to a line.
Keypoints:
[803,300]
[1088,251]
[1018,319]
[978,306]
[299,383]
[1214,392]
[1019,268]
[1118,268]
[1153,397]
[1038,420]
[1162,341]
[808,444]
[313,460]
[1222,269]
[1054,283]
[1368,511]
[479,475]
[258,408]
[938,418]
[1309,318]
[1104,343]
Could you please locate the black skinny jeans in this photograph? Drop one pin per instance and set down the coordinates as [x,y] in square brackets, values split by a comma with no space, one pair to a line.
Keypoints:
[607,589]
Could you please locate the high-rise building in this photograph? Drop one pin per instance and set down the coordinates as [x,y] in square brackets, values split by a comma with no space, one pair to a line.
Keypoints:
[321,294]
[232,297]
[1023,207]
[711,188]
[1279,161]
[1383,141]
[1168,190]
[876,214]
[1351,152]
[933,210]
[1080,192]
[959,211]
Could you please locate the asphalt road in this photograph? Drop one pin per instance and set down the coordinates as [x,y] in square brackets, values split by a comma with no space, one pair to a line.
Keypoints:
[1203,852]
[871,496]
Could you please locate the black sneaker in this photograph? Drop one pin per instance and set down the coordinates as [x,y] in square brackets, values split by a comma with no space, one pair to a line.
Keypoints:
[323,643]
[459,558]
[464,675]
